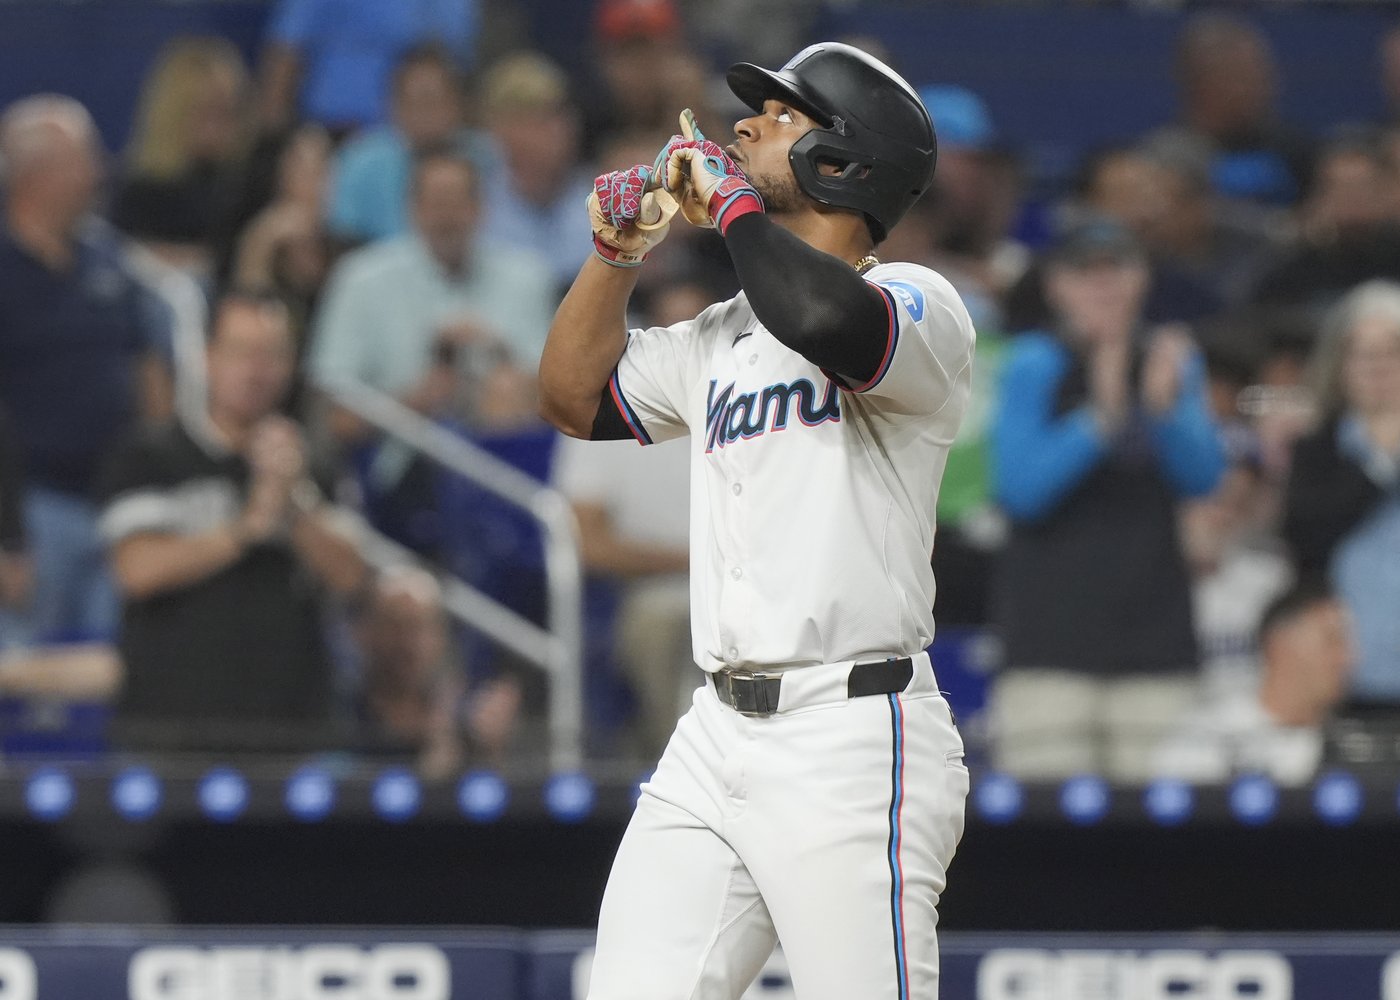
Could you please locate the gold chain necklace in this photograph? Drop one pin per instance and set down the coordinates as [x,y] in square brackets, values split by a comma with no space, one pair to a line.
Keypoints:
[866,263]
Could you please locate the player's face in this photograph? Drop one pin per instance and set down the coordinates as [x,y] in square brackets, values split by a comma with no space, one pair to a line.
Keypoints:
[761,147]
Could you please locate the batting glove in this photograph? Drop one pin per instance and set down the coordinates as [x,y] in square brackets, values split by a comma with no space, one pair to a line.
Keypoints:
[628,216]
[694,211]
[700,174]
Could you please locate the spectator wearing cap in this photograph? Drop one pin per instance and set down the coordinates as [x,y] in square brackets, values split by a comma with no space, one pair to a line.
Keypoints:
[1123,184]
[532,201]
[82,354]
[330,61]
[1102,426]
[1279,728]
[369,189]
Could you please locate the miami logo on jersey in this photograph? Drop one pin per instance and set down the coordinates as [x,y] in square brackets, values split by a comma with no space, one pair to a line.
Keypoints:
[730,417]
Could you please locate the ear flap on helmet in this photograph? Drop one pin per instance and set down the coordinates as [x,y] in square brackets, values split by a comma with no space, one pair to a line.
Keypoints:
[874,180]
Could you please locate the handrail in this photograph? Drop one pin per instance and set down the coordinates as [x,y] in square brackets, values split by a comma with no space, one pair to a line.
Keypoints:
[189,318]
[557,649]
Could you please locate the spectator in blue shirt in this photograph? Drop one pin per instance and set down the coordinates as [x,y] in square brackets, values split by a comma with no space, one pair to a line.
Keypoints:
[1102,426]
[369,193]
[81,353]
[329,61]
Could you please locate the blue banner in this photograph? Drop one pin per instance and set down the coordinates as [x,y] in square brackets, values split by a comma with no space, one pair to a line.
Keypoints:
[405,964]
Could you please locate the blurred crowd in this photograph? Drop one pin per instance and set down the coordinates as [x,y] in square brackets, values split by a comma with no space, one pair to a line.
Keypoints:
[1176,501]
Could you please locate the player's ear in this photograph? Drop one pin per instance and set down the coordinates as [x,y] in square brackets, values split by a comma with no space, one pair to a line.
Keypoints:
[831,167]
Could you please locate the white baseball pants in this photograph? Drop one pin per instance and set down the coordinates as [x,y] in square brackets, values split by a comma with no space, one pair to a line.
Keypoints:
[828,826]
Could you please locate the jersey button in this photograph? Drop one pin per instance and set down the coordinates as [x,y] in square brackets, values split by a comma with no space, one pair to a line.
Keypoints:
[736,572]
[736,489]
[753,359]
[733,652]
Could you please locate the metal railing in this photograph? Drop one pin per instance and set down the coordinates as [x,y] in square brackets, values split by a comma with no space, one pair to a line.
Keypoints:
[556,648]
[189,319]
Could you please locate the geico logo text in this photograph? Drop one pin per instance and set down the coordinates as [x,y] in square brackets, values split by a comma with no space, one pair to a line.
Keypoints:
[333,972]
[1037,974]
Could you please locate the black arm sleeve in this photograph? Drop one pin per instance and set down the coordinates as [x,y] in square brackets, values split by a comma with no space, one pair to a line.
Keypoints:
[11,492]
[813,302]
[608,423]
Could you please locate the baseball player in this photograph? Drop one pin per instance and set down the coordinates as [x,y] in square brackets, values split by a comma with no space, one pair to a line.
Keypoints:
[813,793]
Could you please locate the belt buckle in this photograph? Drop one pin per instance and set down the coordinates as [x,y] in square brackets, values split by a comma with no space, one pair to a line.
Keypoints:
[761,706]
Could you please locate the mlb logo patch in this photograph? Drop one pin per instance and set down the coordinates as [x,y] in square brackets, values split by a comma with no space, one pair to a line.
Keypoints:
[910,296]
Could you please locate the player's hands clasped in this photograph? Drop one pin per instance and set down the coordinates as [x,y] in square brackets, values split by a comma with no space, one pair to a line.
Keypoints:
[628,221]
[709,185]
[631,209]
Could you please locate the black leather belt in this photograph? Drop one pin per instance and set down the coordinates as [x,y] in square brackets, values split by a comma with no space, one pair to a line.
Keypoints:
[751,692]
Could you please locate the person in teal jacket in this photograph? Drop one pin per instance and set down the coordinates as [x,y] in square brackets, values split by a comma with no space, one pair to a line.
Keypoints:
[1102,427]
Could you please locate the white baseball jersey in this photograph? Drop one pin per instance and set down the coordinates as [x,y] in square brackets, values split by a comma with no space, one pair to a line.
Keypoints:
[812,503]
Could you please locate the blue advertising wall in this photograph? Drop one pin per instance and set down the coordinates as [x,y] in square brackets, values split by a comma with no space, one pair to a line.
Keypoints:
[402,964]
[1059,78]
[98,52]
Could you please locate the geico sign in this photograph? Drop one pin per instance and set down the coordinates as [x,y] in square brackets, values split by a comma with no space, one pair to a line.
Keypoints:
[1035,974]
[333,972]
[18,980]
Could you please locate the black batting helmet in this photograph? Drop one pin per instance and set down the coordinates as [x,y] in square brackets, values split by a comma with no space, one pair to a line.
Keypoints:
[873,125]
